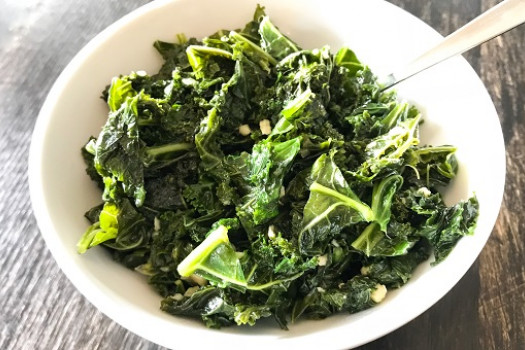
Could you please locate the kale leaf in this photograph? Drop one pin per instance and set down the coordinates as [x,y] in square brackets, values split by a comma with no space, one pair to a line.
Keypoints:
[332,206]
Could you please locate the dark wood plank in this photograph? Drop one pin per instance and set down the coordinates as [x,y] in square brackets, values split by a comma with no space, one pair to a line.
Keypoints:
[42,310]
[502,263]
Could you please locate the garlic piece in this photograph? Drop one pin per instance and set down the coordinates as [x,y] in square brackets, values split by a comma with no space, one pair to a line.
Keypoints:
[245,130]
[379,293]
[189,292]
[321,260]
[265,126]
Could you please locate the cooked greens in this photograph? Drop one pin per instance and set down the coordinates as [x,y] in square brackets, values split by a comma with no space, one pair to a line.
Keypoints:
[250,178]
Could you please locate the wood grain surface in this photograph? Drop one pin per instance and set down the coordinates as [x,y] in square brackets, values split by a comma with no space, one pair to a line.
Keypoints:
[40,309]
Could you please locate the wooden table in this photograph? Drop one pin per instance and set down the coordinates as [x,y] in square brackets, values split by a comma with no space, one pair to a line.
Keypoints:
[40,309]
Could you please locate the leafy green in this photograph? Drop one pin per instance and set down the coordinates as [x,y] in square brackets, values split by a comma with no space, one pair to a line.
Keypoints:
[397,240]
[202,60]
[382,196]
[251,178]
[387,150]
[268,165]
[433,166]
[395,272]
[347,58]
[352,296]
[445,226]
[120,90]
[209,303]
[332,206]
[381,237]
[273,41]
[119,226]
[214,259]
[117,154]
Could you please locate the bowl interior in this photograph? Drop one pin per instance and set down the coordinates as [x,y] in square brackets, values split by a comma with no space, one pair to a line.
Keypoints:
[456,107]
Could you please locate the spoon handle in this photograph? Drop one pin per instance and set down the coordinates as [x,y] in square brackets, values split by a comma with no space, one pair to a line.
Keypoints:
[495,21]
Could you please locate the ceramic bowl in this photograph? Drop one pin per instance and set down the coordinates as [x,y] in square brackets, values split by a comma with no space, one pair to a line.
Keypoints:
[457,110]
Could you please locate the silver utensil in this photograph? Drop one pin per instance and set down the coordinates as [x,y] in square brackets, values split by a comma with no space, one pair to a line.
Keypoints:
[503,17]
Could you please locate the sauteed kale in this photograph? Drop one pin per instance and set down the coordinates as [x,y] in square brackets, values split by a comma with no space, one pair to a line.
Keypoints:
[250,178]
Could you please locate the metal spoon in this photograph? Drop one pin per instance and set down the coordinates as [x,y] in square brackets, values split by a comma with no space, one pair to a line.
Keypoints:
[496,21]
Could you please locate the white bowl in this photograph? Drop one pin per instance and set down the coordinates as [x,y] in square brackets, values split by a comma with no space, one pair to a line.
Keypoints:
[457,111]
